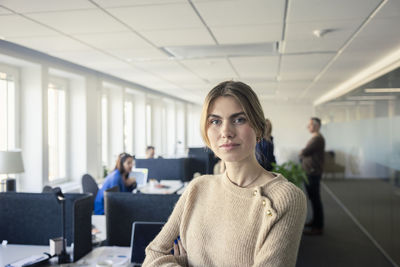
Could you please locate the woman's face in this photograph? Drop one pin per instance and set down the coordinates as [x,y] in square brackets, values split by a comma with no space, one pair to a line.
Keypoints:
[231,137]
[128,164]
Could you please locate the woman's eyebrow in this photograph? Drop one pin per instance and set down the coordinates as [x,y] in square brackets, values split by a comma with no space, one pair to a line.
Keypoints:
[231,116]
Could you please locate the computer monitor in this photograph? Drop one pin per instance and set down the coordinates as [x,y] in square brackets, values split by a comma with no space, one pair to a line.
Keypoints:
[142,234]
[140,174]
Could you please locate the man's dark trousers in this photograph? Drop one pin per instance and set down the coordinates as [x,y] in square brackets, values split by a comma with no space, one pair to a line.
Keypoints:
[313,191]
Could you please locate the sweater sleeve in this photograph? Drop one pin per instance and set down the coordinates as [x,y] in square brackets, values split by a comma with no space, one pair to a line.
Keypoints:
[313,145]
[281,245]
[158,252]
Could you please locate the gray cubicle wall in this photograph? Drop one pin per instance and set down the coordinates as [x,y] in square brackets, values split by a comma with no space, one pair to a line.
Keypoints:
[34,218]
[122,209]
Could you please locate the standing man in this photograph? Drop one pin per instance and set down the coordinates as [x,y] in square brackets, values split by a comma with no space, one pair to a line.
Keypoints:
[312,159]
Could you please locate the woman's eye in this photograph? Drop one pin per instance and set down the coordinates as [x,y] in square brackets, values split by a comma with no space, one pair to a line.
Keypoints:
[239,120]
[215,122]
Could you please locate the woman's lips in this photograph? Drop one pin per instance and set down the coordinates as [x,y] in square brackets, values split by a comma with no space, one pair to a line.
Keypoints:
[229,146]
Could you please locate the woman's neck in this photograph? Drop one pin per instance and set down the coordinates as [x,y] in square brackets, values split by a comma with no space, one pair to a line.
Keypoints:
[244,173]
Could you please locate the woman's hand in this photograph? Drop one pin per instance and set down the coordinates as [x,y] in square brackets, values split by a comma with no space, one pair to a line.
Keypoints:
[178,248]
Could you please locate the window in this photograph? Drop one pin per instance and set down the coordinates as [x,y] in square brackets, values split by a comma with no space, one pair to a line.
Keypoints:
[57,123]
[128,127]
[104,130]
[148,125]
[7,112]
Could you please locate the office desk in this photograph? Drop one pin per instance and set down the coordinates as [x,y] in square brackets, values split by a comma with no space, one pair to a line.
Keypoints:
[116,256]
[164,187]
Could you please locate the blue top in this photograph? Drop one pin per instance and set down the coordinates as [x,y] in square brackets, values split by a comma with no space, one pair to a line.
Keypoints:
[112,179]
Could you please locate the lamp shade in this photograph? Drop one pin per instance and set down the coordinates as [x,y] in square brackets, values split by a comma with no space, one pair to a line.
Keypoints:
[11,162]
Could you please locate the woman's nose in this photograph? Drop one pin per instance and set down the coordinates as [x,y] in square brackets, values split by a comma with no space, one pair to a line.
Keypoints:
[227,130]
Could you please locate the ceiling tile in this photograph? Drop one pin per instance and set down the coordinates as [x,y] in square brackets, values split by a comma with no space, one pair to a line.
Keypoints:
[248,34]
[316,10]
[303,67]
[256,67]
[139,54]
[89,58]
[169,70]
[241,12]
[211,69]
[390,9]
[24,6]
[126,3]
[49,43]
[179,37]
[79,21]
[18,26]
[114,40]
[158,17]
[4,11]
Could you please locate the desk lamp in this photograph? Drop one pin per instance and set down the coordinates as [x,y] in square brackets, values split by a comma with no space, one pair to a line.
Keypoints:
[10,163]
[64,256]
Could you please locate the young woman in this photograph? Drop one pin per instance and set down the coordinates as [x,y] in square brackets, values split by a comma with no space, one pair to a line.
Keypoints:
[119,176]
[246,216]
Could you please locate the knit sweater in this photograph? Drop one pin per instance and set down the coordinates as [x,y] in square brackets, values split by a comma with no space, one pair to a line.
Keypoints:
[221,224]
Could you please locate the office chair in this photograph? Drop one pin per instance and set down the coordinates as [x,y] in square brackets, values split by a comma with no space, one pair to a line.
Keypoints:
[89,185]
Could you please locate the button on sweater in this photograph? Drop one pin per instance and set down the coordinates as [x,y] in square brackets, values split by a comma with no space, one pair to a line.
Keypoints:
[222,224]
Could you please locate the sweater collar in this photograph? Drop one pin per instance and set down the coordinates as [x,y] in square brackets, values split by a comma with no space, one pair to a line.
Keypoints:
[250,191]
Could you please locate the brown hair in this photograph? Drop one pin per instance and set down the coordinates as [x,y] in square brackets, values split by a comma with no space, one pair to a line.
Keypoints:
[246,97]
[268,129]
[119,165]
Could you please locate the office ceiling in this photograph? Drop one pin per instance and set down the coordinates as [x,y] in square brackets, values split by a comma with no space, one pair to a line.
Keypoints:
[130,39]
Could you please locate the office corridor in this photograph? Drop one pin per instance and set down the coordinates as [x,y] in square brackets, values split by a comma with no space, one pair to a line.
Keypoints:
[353,210]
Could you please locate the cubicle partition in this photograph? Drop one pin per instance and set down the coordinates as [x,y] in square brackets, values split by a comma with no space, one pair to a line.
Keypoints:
[168,169]
[122,209]
[34,218]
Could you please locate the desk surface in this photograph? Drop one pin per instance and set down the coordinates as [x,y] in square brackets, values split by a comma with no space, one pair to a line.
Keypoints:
[115,256]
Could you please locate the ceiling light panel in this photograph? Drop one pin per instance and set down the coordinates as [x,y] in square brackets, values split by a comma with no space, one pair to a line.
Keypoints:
[80,21]
[248,33]
[371,97]
[382,90]
[249,67]
[316,10]
[158,17]
[18,26]
[24,6]
[175,37]
[211,68]
[241,12]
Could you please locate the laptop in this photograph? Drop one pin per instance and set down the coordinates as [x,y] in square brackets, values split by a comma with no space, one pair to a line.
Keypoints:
[140,174]
[142,234]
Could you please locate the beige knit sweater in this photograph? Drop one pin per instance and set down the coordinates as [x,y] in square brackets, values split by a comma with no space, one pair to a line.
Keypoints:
[221,224]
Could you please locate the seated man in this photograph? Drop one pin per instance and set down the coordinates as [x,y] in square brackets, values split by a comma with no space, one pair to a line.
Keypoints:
[150,152]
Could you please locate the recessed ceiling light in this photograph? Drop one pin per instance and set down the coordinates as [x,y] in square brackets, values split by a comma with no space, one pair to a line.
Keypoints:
[320,33]
[128,60]
[382,90]
[2,37]
[371,97]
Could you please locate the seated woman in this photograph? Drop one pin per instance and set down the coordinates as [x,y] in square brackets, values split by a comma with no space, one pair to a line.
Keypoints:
[119,176]
[246,216]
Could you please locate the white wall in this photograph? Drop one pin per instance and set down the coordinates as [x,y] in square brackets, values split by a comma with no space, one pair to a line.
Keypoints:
[289,121]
